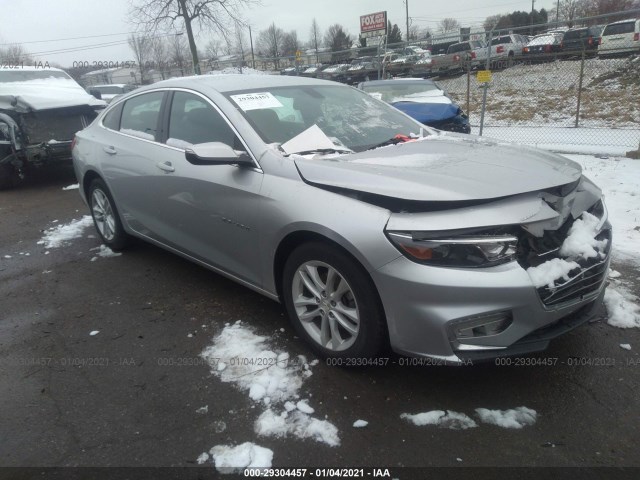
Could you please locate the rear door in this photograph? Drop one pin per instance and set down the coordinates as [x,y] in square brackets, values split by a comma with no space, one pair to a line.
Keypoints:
[618,36]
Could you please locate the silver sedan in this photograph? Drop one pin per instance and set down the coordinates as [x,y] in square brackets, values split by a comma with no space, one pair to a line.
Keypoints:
[371,229]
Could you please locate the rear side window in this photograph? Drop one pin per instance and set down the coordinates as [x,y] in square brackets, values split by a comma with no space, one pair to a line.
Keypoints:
[112,118]
[618,28]
[140,115]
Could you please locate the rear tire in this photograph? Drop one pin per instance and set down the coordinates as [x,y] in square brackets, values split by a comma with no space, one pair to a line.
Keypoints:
[332,303]
[105,216]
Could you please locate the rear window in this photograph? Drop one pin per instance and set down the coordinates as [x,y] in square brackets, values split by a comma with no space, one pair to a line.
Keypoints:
[501,40]
[576,34]
[459,47]
[619,28]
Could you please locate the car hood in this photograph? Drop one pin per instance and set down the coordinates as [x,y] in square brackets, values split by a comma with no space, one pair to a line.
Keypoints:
[442,167]
[35,95]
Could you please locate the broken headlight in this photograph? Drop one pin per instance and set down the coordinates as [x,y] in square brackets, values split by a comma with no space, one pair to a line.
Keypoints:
[456,251]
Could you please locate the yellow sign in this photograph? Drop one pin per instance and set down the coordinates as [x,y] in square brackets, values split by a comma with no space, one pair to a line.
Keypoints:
[484,76]
[298,54]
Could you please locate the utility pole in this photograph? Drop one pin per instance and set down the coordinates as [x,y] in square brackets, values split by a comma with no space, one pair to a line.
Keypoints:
[406,2]
[253,59]
[557,13]
[533,2]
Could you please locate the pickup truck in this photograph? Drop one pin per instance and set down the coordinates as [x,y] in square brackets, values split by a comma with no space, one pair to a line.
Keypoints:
[506,48]
[459,56]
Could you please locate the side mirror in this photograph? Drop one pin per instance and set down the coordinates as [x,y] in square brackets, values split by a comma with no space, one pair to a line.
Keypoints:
[216,153]
[95,93]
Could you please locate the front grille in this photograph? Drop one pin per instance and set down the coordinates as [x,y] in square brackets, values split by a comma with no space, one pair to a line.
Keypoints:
[56,124]
[583,282]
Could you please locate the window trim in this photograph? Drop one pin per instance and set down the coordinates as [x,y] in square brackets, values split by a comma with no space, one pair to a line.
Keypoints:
[163,119]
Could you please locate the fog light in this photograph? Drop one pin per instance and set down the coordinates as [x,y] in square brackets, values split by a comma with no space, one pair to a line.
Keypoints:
[482,326]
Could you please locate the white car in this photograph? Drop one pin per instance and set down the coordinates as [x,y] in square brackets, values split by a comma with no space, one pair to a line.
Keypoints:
[620,37]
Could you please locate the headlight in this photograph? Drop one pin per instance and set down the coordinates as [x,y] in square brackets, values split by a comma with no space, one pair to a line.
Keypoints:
[459,251]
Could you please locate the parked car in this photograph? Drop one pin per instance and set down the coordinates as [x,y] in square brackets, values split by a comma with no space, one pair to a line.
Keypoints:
[472,53]
[506,48]
[544,46]
[401,65]
[578,40]
[337,73]
[424,67]
[40,111]
[363,71]
[372,229]
[422,100]
[620,38]
[312,71]
[110,91]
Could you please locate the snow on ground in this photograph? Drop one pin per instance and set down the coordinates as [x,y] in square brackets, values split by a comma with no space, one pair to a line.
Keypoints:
[229,459]
[270,379]
[442,419]
[75,186]
[360,423]
[60,235]
[619,179]
[622,309]
[626,346]
[512,418]
[104,251]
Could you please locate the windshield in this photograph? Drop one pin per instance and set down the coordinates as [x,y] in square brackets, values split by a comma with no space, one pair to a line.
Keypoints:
[400,91]
[26,75]
[349,117]
[543,40]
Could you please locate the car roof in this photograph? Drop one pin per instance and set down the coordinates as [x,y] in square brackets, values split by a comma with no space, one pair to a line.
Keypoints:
[110,85]
[398,80]
[232,82]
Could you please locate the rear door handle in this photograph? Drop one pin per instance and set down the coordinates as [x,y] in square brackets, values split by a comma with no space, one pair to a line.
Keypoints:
[165,167]
[111,150]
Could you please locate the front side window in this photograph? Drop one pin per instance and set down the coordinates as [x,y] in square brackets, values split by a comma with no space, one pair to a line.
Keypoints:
[193,120]
[348,117]
[140,115]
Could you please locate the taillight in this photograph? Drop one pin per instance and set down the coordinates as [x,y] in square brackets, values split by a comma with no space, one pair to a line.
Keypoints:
[525,50]
[74,141]
[590,41]
[500,49]
[636,37]
[599,40]
[473,55]
[456,58]
[547,48]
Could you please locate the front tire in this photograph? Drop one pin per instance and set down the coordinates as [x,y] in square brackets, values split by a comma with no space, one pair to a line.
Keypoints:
[332,303]
[105,216]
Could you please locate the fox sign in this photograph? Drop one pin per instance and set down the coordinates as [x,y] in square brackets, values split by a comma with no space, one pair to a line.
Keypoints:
[374,22]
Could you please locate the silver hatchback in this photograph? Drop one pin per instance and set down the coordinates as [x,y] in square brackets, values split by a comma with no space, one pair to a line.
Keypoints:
[371,229]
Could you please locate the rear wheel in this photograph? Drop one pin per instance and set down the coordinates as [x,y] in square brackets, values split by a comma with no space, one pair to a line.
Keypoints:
[105,216]
[333,303]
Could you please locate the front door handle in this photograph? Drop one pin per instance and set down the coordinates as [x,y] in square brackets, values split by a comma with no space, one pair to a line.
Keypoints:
[165,167]
[111,150]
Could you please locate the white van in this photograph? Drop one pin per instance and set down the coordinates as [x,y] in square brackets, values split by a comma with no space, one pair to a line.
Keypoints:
[620,37]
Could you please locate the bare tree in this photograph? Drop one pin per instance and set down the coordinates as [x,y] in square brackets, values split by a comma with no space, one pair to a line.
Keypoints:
[290,44]
[142,48]
[216,15]
[179,53]
[448,25]
[567,10]
[316,37]
[158,55]
[15,54]
[240,44]
[213,48]
[270,43]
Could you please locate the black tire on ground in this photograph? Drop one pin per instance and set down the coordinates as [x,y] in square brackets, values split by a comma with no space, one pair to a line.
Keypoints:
[371,336]
[105,216]
[9,178]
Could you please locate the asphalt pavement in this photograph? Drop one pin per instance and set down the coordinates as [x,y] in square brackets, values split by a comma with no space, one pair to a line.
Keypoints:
[72,399]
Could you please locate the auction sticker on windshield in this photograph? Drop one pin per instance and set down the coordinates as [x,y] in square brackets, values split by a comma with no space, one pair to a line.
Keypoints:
[256,101]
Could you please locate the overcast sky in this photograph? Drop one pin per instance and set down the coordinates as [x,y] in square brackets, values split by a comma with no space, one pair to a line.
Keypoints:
[45,27]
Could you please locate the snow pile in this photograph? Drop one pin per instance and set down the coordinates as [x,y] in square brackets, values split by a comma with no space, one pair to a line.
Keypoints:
[581,241]
[360,423]
[298,424]
[442,419]
[236,70]
[104,251]
[625,346]
[58,236]
[550,271]
[622,312]
[244,359]
[228,459]
[512,418]
[75,186]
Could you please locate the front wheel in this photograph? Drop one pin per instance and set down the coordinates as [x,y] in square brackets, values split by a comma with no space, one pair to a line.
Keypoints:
[105,216]
[333,303]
